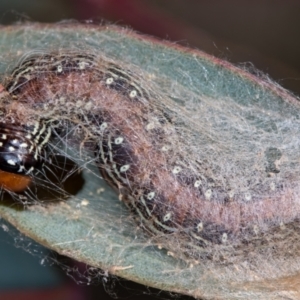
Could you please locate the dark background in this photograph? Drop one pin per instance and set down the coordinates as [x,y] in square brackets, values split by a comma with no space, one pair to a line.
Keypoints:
[265,33]
[258,34]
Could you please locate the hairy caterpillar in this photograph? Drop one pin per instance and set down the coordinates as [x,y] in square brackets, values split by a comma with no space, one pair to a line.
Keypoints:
[171,176]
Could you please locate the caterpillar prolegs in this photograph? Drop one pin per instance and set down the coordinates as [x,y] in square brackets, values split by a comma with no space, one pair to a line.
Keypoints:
[172,176]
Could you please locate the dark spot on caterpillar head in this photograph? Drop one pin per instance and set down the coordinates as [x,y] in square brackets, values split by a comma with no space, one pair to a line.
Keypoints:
[20,150]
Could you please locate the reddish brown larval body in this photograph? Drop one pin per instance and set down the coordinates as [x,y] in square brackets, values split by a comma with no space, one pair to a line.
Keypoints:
[133,137]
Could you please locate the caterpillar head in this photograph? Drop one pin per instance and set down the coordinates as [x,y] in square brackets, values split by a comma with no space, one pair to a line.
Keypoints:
[21,153]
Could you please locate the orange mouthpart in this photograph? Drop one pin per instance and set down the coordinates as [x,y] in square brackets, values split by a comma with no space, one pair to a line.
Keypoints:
[14,182]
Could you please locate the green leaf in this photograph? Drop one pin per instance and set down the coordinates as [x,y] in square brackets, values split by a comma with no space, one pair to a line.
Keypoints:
[93,226]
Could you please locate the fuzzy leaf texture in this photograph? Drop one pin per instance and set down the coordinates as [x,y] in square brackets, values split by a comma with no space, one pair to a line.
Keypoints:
[257,125]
